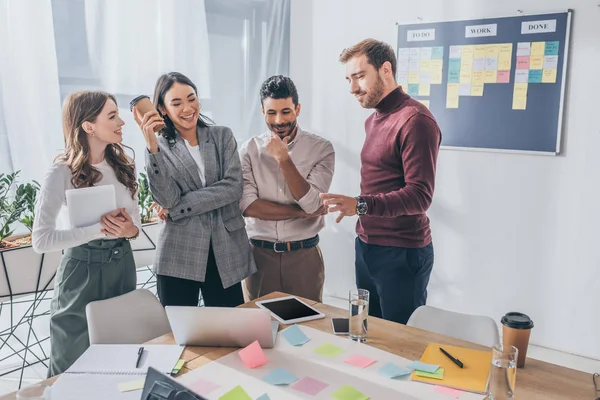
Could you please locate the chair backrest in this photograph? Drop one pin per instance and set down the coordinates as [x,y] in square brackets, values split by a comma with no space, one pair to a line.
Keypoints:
[473,328]
[133,318]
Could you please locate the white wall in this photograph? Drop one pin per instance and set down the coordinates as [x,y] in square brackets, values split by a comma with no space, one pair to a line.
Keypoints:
[511,232]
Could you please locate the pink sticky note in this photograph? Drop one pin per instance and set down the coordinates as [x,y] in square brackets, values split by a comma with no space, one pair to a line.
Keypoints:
[253,356]
[360,361]
[503,77]
[203,387]
[309,386]
[522,62]
[454,393]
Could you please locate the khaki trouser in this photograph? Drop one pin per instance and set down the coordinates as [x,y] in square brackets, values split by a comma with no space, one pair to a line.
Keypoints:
[108,272]
[300,272]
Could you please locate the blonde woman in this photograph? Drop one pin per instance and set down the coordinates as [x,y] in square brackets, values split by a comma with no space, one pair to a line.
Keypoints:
[97,262]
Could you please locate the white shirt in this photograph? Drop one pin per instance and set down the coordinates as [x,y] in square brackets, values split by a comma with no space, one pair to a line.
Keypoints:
[51,228]
[195,153]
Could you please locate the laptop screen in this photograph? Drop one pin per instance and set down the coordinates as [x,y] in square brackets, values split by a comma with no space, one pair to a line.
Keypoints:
[289,309]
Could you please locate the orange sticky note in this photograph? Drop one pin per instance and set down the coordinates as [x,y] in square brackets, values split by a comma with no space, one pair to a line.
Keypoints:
[253,355]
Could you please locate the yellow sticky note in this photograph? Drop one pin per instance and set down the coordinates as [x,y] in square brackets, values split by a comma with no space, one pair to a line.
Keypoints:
[131,385]
[492,50]
[504,57]
[520,90]
[425,103]
[477,78]
[465,77]
[435,65]
[436,77]
[424,89]
[480,51]
[425,65]
[467,52]
[519,103]
[538,48]
[413,77]
[536,62]
[452,95]
[549,76]
[490,76]
[477,89]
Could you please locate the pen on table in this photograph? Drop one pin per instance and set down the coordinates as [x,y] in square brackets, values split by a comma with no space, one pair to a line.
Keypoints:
[140,352]
[454,360]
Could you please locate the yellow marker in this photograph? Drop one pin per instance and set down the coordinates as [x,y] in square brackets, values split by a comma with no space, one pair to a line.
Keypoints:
[549,76]
[424,89]
[490,76]
[538,48]
[452,95]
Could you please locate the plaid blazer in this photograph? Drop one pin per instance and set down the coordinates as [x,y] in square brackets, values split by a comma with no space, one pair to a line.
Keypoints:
[200,216]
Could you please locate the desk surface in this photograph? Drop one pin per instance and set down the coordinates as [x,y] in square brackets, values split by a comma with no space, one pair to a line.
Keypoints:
[537,381]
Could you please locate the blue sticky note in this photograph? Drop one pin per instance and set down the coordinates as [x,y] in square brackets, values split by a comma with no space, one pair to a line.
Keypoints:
[437,53]
[295,336]
[551,49]
[453,77]
[264,397]
[413,89]
[280,376]
[535,76]
[421,366]
[454,64]
[393,371]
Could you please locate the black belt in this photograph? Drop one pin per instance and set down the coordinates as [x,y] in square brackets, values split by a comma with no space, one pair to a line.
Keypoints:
[97,255]
[283,247]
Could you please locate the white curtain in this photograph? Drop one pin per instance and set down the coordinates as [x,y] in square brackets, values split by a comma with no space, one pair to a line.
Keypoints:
[132,42]
[30,125]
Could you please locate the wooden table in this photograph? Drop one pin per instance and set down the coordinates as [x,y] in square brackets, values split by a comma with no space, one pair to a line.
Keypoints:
[537,381]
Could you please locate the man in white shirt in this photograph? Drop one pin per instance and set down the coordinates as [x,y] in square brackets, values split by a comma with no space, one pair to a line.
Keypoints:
[284,171]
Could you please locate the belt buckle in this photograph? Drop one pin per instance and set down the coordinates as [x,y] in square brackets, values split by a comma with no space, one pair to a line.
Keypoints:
[275,247]
[113,252]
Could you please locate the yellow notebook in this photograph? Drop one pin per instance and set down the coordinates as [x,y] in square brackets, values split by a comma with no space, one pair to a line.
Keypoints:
[473,377]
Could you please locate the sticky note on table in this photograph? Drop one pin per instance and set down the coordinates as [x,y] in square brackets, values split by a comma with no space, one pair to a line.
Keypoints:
[280,376]
[295,336]
[309,386]
[349,393]
[264,397]
[359,361]
[253,356]
[439,374]
[453,393]
[203,387]
[237,393]
[421,366]
[393,371]
[328,350]
[131,385]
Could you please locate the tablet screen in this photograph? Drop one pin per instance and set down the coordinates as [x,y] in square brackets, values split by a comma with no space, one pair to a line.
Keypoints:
[289,309]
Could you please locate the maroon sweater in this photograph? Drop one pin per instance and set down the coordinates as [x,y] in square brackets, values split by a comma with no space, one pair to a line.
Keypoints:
[398,172]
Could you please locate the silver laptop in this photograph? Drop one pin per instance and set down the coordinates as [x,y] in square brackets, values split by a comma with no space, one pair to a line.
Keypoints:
[222,327]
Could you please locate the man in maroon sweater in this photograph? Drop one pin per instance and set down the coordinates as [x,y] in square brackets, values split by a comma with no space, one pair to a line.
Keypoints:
[394,250]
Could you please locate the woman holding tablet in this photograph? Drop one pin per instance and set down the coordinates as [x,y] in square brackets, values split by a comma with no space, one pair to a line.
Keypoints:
[97,263]
[195,173]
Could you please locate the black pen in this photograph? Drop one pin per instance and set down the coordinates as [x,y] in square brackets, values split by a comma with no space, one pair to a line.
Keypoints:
[454,360]
[140,352]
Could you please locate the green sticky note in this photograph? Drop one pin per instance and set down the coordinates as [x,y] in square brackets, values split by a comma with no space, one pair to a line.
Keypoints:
[439,374]
[329,350]
[237,393]
[349,393]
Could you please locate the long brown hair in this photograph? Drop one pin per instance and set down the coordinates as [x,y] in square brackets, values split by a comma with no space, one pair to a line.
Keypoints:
[85,106]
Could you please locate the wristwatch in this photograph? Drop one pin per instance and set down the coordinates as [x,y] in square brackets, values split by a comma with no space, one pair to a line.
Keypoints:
[134,236]
[361,206]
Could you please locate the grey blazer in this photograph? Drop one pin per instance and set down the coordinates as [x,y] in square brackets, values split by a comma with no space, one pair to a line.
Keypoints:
[200,216]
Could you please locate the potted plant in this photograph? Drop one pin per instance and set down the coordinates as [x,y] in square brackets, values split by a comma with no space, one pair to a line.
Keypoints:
[144,246]
[11,208]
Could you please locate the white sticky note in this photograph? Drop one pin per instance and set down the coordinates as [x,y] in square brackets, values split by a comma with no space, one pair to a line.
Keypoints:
[521,76]
[550,62]
[455,51]
[523,49]
[426,53]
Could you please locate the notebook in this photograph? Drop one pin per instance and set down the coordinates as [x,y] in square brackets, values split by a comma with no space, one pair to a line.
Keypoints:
[120,359]
[473,377]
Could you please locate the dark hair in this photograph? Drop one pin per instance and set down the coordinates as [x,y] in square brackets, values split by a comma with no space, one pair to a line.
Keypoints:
[377,53]
[279,87]
[163,84]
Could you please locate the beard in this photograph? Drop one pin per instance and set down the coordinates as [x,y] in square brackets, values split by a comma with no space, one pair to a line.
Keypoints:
[373,96]
[289,128]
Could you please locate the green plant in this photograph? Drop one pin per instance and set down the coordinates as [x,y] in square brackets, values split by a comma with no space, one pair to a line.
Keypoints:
[145,199]
[28,192]
[11,207]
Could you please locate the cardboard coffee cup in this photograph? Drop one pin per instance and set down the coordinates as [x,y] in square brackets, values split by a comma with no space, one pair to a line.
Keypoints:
[140,106]
[516,329]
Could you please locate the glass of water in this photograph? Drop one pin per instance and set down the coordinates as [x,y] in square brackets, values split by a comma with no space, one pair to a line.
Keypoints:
[503,373]
[359,310]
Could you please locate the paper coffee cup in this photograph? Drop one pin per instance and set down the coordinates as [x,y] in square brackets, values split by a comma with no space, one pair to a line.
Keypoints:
[140,106]
[516,329]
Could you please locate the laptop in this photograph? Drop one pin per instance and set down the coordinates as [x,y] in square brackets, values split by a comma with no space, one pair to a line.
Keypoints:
[221,326]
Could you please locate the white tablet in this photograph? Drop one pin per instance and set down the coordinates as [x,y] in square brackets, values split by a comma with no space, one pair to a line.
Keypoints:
[290,310]
[86,206]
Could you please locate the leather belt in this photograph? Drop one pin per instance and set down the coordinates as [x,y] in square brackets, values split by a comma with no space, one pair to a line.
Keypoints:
[91,255]
[284,247]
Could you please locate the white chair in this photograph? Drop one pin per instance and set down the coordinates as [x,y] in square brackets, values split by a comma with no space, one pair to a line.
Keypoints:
[133,318]
[472,328]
